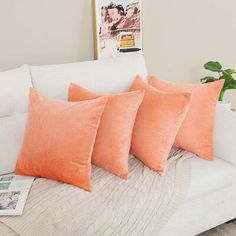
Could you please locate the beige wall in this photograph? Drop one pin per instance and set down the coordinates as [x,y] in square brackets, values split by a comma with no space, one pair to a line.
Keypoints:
[45,31]
[179,36]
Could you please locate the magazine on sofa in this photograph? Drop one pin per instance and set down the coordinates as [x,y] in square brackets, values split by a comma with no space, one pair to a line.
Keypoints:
[14,190]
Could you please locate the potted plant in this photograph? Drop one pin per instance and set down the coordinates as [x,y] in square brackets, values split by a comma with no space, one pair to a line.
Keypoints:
[226,74]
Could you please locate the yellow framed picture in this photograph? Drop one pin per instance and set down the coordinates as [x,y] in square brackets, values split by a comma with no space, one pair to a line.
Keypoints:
[117,28]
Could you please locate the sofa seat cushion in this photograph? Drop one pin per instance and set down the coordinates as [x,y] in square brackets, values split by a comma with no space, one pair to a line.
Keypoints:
[210,201]
[201,214]
[209,177]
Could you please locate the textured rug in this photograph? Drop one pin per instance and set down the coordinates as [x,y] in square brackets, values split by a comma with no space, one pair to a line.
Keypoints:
[228,229]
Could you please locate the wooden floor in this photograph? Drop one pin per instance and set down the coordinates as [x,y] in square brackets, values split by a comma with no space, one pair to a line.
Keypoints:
[228,229]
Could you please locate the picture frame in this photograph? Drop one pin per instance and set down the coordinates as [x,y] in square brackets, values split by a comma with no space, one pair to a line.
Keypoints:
[117,28]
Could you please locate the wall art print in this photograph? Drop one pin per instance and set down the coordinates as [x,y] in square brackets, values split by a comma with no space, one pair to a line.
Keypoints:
[117,28]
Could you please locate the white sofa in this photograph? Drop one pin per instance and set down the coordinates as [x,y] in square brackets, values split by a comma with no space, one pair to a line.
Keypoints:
[211,199]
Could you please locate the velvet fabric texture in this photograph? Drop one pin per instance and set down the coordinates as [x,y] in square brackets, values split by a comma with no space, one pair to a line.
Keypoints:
[196,132]
[112,145]
[59,139]
[158,120]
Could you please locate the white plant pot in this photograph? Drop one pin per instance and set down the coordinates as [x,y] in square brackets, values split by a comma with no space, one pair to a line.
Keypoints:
[226,104]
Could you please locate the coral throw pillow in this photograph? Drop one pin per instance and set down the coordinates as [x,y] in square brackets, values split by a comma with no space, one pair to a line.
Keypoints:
[59,139]
[157,123]
[196,132]
[112,145]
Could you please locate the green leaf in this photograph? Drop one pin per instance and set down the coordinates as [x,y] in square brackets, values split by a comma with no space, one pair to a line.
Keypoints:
[231,84]
[226,75]
[213,66]
[208,79]
[230,71]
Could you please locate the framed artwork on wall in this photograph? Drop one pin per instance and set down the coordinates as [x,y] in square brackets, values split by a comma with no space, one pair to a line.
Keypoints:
[117,28]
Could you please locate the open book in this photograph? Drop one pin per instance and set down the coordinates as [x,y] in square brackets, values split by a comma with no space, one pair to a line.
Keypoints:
[14,190]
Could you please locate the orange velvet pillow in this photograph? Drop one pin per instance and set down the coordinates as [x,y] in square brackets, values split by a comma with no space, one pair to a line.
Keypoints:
[59,139]
[157,123]
[112,145]
[196,132]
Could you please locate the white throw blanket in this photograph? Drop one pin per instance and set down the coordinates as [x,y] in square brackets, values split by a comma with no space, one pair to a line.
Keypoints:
[139,206]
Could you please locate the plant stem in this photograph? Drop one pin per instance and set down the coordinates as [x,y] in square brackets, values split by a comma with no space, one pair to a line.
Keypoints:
[222,93]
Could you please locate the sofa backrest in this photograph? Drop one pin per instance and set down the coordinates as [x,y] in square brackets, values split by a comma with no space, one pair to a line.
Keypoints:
[104,76]
[225,134]
[14,87]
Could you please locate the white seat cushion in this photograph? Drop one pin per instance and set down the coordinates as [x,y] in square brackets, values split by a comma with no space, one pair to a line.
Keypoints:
[210,201]
[210,176]
[198,215]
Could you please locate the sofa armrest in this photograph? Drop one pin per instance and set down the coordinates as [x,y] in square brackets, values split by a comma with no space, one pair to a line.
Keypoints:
[225,134]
